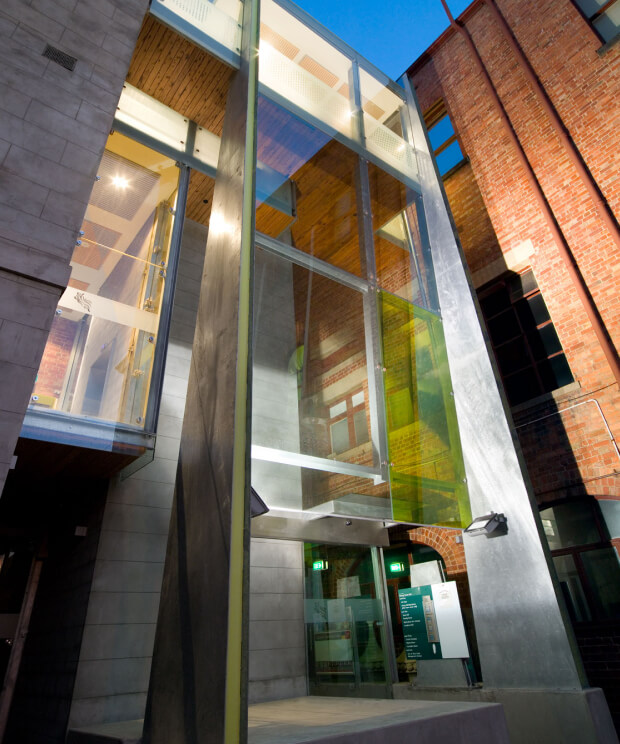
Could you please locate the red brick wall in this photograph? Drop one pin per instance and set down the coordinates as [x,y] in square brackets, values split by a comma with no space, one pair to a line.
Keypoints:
[582,85]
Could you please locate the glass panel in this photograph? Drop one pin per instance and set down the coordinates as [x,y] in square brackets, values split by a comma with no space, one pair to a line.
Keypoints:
[561,371]
[309,359]
[384,116]
[317,490]
[440,132]
[305,71]
[570,524]
[571,587]
[319,173]
[216,20]
[608,24]
[550,339]
[603,574]
[426,471]
[403,267]
[344,622]
[99,354]
[449,157]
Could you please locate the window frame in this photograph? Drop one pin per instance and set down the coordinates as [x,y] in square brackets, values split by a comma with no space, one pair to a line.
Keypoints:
[436,113]
[576,551]
[590,19]
[525,334]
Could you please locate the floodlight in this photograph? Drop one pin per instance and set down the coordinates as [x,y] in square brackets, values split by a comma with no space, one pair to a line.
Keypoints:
[486,525]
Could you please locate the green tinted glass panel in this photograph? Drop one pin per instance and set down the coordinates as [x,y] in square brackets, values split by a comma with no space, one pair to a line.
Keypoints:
[603,572]
[426,471]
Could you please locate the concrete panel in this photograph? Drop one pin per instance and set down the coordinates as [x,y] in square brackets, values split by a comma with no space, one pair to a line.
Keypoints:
[276,634]
[131,518]
[106,608]
[88,711]
[101,677]
[125,641]
[549,716]
[267,580]
[286,663]
[127,576]
[283,606]
[142,493]
[277,689]
[131,546]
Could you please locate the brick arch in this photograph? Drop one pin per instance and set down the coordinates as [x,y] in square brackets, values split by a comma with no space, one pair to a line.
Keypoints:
[453,554]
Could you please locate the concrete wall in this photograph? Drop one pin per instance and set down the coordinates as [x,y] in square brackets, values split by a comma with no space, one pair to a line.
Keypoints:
[277,630]
[53,127]
[115,659]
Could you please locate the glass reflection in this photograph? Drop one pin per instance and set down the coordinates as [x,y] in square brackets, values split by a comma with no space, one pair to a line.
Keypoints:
[344,621]
[99,355]
[404,267]
[306,189]
[426,464]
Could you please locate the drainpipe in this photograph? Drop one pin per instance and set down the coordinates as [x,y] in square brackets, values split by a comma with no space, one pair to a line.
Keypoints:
[558,125]
[565,252]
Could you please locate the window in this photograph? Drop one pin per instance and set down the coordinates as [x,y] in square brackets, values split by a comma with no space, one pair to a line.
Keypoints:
[349,426]
[527,349]
[586,563]
[604,15]
[446,148]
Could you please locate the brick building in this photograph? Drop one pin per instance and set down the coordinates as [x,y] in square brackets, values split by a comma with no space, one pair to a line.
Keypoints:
[558,83]
[227,269]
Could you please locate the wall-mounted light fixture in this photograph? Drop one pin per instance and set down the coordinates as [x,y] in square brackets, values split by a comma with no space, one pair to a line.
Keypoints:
[257,505]
[488,524]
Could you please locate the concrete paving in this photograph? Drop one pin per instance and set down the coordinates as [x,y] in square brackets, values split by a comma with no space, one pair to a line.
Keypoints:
[346,721]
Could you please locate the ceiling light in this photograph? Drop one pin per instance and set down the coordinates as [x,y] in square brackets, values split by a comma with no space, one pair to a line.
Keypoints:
[120,182]
[486,525]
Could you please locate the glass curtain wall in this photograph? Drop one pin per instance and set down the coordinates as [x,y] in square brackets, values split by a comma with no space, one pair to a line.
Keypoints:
[352,409]
[99,356]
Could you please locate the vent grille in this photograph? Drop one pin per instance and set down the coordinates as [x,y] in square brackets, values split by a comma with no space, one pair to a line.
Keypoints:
[60,58]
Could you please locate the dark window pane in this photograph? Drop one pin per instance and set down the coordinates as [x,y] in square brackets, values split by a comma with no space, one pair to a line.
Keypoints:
[440,132]
[603,574]
[550,339]
[570,524]
[538,308]
[522,386]
[450,157]
[561,370]
[522,284]
[495,302]
[504,327]
[571,587]
[512,356]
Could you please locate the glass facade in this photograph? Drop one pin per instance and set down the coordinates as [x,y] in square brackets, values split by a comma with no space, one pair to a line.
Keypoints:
[352,408]
[99,356]
[352,412]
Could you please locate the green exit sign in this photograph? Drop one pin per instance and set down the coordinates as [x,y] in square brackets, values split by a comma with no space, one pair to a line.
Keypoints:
[397,567]
[319,565]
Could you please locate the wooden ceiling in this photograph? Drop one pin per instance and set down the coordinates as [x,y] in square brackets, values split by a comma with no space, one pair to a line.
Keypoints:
[189,80]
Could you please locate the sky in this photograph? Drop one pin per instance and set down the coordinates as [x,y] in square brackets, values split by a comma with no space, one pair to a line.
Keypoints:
[389,33]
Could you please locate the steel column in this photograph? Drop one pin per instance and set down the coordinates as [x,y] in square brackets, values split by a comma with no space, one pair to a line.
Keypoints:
[198,688]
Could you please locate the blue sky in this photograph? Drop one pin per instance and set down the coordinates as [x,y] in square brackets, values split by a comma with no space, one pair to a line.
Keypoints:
[391,33]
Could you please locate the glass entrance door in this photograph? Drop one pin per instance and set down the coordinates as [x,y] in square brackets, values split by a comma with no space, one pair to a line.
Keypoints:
[345,624]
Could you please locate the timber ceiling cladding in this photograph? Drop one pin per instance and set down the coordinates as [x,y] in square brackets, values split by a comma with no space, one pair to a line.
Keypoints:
[189,80]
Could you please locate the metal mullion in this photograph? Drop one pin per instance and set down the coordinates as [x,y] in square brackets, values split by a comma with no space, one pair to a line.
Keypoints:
[444,145]
[374,360]
[167,300]
[307,261]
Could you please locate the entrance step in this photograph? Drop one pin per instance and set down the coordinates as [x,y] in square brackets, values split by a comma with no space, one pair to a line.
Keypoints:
[331,720]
